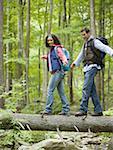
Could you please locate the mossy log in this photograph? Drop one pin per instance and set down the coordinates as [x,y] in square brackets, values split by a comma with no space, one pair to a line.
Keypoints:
[110,144]
[54,122]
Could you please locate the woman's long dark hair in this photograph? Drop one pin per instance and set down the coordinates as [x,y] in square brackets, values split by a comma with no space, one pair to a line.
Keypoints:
[55,38]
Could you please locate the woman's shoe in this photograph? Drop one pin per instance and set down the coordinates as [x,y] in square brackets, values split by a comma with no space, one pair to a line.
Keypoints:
[46,113]
[80,114]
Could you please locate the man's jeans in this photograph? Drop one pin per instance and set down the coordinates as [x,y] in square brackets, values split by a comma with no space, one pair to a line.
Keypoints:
[89,90]
[56,80]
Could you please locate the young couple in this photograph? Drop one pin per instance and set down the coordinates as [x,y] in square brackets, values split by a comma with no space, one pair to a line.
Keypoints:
[92,64]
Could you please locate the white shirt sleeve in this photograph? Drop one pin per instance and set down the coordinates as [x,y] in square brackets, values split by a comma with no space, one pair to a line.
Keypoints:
[102,47]
[79,58]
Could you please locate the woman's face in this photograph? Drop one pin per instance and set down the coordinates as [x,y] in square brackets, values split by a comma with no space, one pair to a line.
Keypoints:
[50,41]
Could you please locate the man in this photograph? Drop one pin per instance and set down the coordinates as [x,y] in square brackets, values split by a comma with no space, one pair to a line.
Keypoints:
[92,64]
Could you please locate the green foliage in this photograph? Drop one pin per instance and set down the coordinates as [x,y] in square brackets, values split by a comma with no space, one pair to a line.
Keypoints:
[9,138]
[15,96]
[77,17]
[14,138]
[105,136]
[109,112]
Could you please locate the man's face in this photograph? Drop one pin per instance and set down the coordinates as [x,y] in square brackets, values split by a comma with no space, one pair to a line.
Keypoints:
[85,35]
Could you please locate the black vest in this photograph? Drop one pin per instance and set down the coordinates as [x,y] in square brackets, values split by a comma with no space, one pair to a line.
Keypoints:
[91,54]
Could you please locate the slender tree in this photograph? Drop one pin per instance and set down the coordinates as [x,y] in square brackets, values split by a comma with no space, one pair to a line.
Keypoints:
[27,53]
[102,33]
[64,14]
[1,56]
[45,72]
[59,12]
[110,35]
[92,17]
[70,46]
[51,14]
[20,38]
[93,30]
[8,52]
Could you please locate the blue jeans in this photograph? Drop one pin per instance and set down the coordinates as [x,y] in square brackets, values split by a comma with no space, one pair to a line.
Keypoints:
[89,90]
[56,80]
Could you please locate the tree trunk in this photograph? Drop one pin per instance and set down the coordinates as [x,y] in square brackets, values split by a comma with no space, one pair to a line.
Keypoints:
[8,78]
[92,17]
[64,14]
[20,39]
[20,104]
[110,144]
[39,70]
[70,47]
[52,122]
[102,33]
[1,56]
[59,13]
[93,30]
[45,71]
[27,54]
[109,60]
[51,14]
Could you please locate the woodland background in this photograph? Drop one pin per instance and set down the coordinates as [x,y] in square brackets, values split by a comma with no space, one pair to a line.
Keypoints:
[23,27]
[23,75]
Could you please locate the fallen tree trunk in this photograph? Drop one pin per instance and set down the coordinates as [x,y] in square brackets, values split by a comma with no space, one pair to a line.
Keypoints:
[55,122]
[110,144]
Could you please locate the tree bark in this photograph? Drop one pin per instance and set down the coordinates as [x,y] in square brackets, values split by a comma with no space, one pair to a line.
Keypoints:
[20,39]
[110,144]
[64,123]
[8,68]
[92,17]
[102,33]
[64,14]
[2,101]
[51,15]
[27,101]
[45,71]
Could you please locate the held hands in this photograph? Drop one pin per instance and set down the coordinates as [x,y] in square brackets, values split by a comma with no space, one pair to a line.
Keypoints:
[65,63]
[72,65]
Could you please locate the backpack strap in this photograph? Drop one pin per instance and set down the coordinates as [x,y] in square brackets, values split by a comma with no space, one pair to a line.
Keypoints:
[90,44]
[93,49]
[100,55]
[55,49]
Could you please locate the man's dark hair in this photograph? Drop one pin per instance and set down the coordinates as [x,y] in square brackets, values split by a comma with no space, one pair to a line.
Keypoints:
[86,30]
[55,38]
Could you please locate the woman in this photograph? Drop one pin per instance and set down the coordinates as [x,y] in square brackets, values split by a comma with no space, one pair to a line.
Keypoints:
[57,74]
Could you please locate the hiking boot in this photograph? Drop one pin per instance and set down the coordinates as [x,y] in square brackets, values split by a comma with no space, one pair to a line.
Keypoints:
[63,113]
[46,113]
[97,114]
[80,114]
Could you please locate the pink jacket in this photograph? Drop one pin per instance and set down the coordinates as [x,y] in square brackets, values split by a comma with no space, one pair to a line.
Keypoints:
[60,55]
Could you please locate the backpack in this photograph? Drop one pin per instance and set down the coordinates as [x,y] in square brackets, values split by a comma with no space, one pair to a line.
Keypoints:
[102,54]
[66,53]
